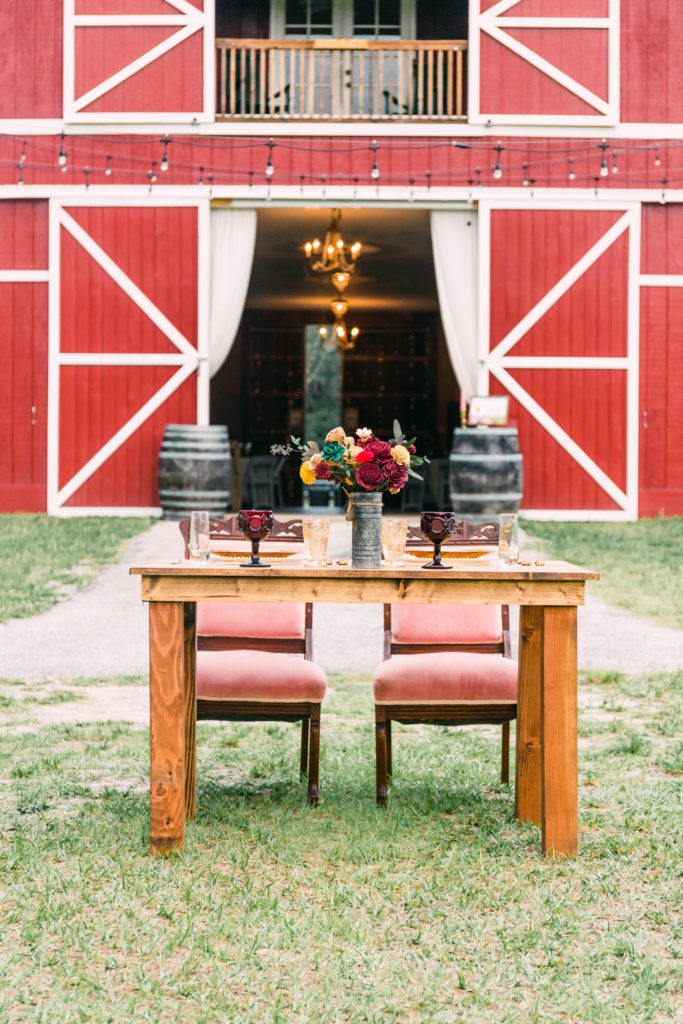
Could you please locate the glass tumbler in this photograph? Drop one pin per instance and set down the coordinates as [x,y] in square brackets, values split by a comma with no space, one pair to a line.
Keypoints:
[316,536]
[508,539]
[199,537]
[394,537]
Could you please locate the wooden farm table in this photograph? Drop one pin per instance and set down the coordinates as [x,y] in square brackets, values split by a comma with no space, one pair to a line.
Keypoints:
[546,764]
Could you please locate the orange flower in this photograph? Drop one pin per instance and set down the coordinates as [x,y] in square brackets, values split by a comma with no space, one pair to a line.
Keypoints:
[338,434]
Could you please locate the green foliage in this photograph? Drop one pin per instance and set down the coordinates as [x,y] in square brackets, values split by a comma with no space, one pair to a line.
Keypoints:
[42,557]
[435,910]
[640,563]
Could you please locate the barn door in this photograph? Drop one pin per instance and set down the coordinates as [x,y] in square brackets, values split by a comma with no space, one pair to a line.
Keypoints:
[151,60]
[128,342]
[531,63]
[559,335]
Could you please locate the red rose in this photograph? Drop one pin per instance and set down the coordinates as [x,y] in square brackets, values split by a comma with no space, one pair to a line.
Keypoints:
[380,449]
[364,456]
[369,475]
[322,471]
[412,449]
[396,476]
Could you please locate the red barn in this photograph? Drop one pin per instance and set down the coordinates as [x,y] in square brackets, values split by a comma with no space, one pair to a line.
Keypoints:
[511,168]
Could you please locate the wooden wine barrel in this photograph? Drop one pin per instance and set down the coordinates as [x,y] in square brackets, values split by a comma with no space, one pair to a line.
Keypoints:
[485,472]
[195,470]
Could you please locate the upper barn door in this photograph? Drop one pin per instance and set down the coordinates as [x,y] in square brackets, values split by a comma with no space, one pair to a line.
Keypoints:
[138,60]
[544,62]
[128,341]
[559,334]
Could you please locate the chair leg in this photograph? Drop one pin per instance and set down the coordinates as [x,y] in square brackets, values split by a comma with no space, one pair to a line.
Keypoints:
[303,767]
[505,755]
[381,753]
[389,767]
[314,754]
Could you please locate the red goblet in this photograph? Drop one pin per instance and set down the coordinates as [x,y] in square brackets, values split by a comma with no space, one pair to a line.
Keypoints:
[255,525]
[437,527]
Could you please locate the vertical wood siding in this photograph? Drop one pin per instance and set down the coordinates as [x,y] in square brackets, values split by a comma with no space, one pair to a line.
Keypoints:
[157,248]
[661,359]
[23,359]
[31,64]
[530,251]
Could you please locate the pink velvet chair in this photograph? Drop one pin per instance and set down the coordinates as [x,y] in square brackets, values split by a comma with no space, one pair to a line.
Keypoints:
[244,672]
[445,665]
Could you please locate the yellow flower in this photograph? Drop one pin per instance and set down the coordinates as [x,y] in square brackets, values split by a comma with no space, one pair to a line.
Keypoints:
[401,455]
[351,452]
[337,434]
[348,441]
[307,473]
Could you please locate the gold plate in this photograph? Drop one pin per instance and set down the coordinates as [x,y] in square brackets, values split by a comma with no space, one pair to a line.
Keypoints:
[263,553]
[429,553]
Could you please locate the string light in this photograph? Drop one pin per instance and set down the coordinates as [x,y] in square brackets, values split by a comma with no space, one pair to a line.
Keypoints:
[270,170]
[411,197]
[21,174]
[152,174]
[201,176]
[662,198]
[86,175]
[603,166]
[61,159]
[498,170]
[572,175]
[615,169]
[163,166]
[374,173]
[428,176]
[658,159]
[302,178]
[525,181]
[22,158]
[107,169]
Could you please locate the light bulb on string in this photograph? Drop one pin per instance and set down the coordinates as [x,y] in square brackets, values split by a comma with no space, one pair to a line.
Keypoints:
[86,175]
[428,176]
[658,159]
[61,160]
[20,167]
[22,158]
[152,174]
[498,170]
[615,169]
[525,180]
[603,165]
[374,173]
[201,176]
[662,198]
[302,178]
[163,166]
[572,175]
[107,169]
[270,170]
[411,197]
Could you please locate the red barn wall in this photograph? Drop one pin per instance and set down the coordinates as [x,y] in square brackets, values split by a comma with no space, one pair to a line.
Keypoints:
[23,359]
[31,64]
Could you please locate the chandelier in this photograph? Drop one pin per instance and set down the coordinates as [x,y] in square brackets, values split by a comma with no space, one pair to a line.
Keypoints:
[336,261]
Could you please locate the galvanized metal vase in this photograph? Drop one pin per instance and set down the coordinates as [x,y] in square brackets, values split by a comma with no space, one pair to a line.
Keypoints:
[366,529]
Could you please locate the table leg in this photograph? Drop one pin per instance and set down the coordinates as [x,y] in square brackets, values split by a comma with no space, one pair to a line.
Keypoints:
[190,712]
[559,806]
[528,754]
[167,726]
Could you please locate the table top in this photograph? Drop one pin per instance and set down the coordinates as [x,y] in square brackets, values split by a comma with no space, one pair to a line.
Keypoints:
[296,568]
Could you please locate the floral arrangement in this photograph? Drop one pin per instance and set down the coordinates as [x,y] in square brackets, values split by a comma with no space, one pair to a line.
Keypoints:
[360,463]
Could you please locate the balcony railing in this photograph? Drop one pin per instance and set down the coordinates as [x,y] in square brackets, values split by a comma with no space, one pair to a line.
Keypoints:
[341,80]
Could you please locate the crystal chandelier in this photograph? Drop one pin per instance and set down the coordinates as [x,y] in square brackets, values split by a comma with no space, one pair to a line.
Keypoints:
[336,261]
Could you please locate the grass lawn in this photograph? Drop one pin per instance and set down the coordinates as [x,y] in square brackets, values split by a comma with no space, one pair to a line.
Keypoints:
[640,563]
[43,557]
[436,909]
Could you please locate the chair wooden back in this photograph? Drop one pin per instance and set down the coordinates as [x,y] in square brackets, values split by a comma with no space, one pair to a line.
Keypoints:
[467,532]
[289,531]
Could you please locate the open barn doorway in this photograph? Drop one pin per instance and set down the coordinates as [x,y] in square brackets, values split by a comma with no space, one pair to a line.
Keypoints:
[399,367]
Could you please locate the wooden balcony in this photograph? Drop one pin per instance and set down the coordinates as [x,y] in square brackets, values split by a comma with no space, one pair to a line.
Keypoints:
[341,80]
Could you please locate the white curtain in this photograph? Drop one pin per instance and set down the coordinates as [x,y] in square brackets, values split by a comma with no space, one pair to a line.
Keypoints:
[454,246]
[233,236]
